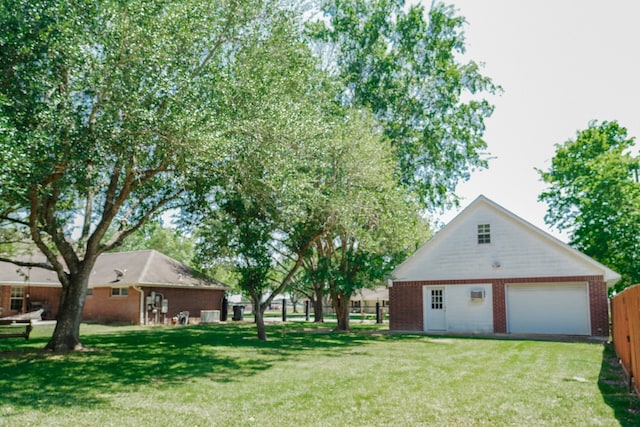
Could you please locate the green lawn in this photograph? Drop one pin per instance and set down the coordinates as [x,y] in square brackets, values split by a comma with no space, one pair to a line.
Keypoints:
[221,375]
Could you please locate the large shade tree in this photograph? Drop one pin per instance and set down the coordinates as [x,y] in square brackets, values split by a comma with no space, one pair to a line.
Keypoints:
[593,193]
[372,222]
[404,64]
[258,216]
[107,109]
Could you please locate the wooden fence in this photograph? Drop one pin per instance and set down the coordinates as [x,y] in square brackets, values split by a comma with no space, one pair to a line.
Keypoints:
[625,313]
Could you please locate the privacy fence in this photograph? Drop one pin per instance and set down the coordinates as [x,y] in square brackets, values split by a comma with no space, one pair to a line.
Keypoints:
[625,312]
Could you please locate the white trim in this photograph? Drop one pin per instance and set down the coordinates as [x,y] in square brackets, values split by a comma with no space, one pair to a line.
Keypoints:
[426,299]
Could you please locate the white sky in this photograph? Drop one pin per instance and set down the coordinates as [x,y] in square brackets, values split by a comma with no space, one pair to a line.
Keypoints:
[561,64]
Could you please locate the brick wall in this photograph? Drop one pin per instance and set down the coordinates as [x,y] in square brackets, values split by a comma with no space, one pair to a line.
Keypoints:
[191,300]
[46,297]
[4,299]
[5,294]
[102,307]
[599,299]
[406,305]
[499,307]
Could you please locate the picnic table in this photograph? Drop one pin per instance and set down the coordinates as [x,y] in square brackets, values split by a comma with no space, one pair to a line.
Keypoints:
[21,320]
[27,324]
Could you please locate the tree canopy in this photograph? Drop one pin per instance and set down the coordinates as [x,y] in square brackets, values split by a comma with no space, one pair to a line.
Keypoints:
[373,224]
[594,194]
[109,114]
[403,63]
[257,216]
[113,112]
[165,239]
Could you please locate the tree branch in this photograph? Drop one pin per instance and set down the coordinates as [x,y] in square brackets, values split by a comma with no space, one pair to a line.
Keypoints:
[37,239]
[293,270]
[15,221]
[120,235]
[44,265]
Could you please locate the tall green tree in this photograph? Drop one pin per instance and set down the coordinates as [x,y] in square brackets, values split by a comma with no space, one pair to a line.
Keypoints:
[373,223]
[312,284]
[108,114]
[403,63]
[258,209]
[594,195]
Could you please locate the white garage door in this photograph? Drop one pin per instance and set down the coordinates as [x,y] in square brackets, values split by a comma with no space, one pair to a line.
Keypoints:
[548,309]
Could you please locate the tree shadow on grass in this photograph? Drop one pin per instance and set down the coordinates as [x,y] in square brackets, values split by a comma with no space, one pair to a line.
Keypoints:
[615,390]
[120,362]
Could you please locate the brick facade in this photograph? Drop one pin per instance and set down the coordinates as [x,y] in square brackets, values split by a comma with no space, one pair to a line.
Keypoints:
[406,307]
[599,304]
[45,297]
[191,300]
[104,308]
[406,301]
[100,306]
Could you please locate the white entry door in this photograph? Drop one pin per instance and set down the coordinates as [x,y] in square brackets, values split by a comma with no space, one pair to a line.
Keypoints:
[434,308]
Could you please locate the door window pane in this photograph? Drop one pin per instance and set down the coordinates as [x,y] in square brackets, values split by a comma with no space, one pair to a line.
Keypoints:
[436,299]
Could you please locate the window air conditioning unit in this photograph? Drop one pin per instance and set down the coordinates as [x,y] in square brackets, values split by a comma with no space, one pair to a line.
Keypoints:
[477,294]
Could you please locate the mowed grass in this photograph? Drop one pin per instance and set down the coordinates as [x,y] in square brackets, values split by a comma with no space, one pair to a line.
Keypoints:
[305,375]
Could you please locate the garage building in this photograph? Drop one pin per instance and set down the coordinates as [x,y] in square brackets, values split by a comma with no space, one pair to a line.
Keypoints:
[490,272]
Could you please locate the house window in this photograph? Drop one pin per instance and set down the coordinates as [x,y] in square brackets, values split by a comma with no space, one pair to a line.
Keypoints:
[17,296]
[119,292]
[437,299]
[484,234]
[89,292]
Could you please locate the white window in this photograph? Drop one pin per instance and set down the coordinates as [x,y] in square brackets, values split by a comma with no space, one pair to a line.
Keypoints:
[484,234]
[437,299]
[119,292]
[17,296]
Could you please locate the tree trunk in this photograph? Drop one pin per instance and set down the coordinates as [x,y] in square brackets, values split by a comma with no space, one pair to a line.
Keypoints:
[341,306]
[66,335]
[259,313]
[318,307]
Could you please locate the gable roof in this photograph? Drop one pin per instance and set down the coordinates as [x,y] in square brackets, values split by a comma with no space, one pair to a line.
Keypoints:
[524,250]
[117,269]
[365,294]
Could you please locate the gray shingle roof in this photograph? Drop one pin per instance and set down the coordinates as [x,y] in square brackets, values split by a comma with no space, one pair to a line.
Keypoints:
[145,267]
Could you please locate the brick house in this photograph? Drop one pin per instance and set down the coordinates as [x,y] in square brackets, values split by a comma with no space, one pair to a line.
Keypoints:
[489,271]
[139,287]
[365,300]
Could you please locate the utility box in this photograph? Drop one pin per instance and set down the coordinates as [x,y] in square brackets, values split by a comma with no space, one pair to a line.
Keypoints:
[209,316]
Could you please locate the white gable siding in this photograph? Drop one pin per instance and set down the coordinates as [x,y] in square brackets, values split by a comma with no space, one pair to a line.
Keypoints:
[517,248]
